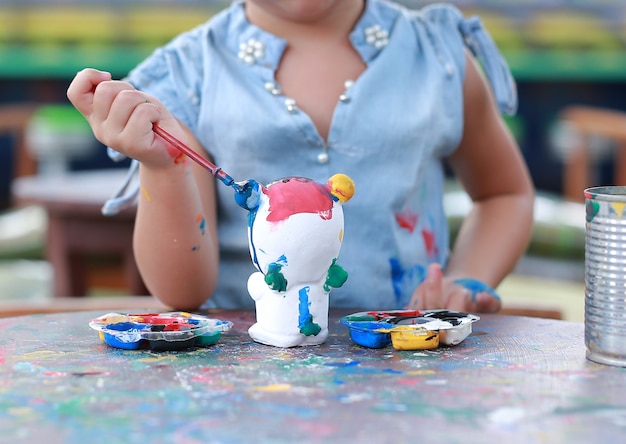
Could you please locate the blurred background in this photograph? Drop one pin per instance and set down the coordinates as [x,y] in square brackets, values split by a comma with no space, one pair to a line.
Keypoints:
[563,54]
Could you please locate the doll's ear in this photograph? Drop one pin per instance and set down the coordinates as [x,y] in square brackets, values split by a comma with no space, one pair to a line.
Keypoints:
[341,187]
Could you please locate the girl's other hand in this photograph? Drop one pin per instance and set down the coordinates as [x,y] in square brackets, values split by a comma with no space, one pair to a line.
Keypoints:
[437,292]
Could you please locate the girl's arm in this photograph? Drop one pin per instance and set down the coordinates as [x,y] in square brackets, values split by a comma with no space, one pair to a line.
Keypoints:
[489,165]
[175,238]
[495,233]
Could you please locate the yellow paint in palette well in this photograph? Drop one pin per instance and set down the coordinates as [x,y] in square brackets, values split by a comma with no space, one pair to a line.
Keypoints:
[411,337]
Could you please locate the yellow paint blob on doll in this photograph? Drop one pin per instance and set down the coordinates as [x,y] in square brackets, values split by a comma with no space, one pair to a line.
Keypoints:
[342,187]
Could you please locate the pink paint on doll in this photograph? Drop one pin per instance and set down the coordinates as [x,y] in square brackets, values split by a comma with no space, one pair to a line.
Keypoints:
[298,195]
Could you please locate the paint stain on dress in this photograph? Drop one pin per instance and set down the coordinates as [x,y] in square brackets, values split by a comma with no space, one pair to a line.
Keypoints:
[407,220]
[405,280]
[429,242]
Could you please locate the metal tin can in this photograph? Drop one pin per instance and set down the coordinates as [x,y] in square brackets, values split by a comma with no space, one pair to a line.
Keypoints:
[605,275]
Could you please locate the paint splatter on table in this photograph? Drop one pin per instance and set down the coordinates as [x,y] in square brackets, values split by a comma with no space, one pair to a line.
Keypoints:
[513,379]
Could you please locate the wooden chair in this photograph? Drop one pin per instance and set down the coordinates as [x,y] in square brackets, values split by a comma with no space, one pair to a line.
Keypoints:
[77,230]
[14,119]
[589,122]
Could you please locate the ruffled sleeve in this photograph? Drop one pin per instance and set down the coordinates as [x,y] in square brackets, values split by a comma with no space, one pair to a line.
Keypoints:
[478,40]
[172,74]
[451,24]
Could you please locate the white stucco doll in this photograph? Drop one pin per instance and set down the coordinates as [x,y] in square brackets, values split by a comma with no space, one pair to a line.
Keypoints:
[295,234]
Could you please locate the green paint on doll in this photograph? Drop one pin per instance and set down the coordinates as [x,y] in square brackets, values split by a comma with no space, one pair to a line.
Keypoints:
[275,278]
[335,277]
[310,328]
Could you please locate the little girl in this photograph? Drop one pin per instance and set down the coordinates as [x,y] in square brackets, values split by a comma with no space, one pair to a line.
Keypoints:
[274,88]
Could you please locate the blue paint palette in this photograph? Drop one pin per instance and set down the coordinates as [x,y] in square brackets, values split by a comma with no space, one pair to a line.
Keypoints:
[159,331]
[409,329]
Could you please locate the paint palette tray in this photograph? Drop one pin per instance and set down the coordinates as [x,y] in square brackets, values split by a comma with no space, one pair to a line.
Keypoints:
[409,329]
[158,331]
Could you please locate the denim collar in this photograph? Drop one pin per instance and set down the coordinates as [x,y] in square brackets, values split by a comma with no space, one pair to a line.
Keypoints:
[263,50]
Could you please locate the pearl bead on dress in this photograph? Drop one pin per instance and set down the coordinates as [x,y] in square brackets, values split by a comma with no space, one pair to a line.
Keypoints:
[251,51]
[322,158]
[376,36]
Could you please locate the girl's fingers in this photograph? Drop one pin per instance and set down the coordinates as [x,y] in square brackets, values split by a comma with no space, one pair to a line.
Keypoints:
[461,300]
[487,303]
[433,288]
[460,295]
[414,302]
[81,90]
[483,302]
[106,96]
[429,294]
[131,111]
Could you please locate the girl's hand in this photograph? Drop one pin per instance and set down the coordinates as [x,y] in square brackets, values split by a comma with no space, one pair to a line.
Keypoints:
[122,117]
[464,295]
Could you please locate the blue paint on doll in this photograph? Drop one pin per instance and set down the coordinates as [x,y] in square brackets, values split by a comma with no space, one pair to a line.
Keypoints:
[247,195]
[305,320]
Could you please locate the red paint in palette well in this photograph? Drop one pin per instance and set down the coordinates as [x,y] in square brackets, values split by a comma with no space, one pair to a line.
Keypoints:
[298,195]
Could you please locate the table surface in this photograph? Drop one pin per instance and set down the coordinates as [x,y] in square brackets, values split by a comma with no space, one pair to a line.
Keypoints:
[514,379]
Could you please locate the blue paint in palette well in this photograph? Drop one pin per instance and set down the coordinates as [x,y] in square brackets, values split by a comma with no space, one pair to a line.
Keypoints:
[365,333]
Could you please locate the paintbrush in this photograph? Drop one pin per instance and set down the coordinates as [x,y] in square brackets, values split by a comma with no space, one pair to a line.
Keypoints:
[242,189]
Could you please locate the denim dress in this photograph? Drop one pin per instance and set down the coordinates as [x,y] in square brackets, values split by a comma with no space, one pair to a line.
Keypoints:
[391,129]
